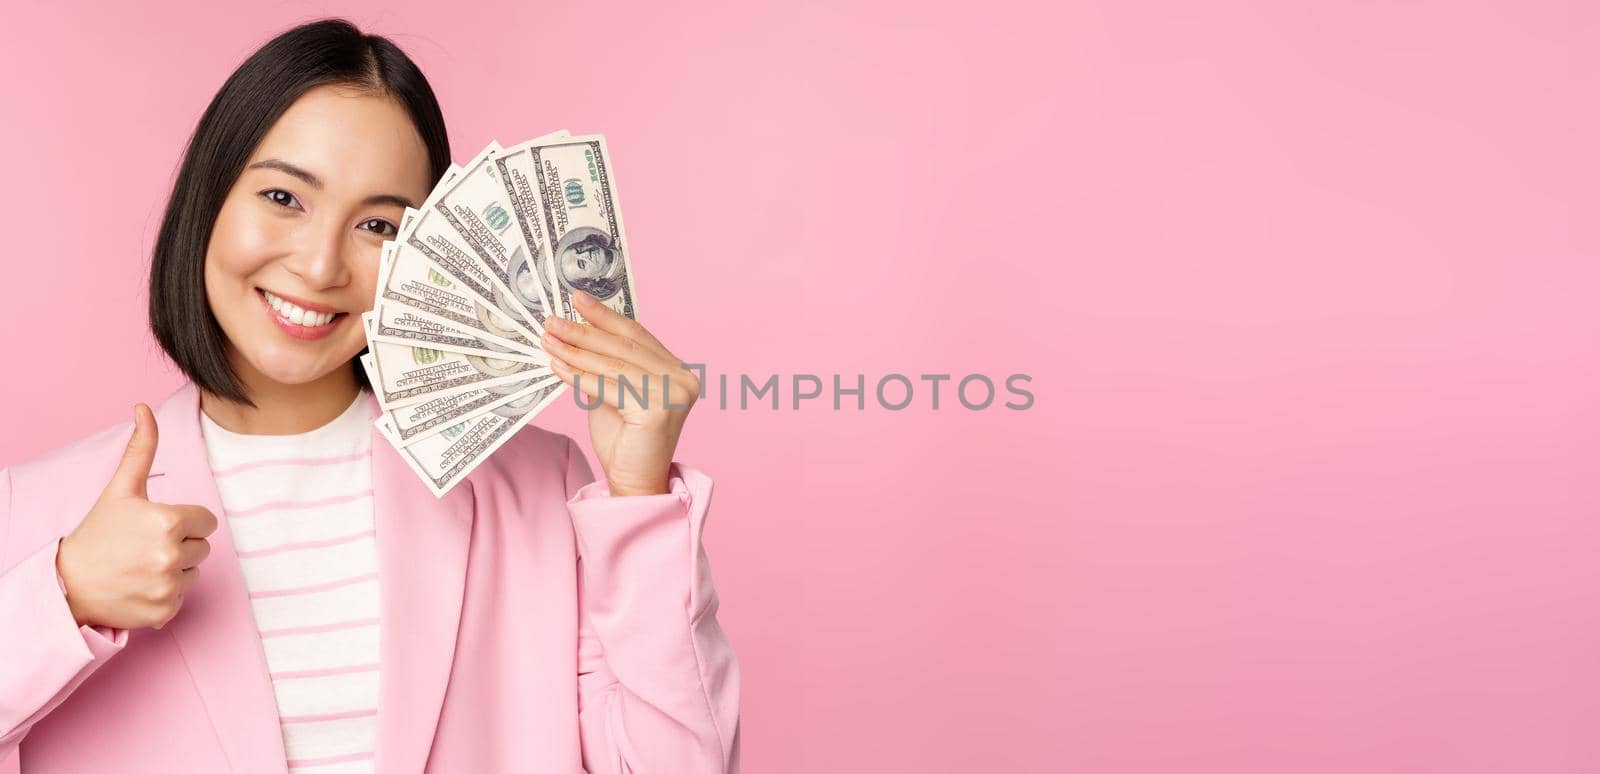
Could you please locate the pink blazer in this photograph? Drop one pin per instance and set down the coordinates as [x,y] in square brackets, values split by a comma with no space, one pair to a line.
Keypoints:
[530,622]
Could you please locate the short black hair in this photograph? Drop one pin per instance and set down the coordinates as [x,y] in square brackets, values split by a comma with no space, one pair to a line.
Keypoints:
[326,52]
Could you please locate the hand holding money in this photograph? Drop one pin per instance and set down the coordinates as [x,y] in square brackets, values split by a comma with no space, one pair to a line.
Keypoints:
[635,428]
[468,286]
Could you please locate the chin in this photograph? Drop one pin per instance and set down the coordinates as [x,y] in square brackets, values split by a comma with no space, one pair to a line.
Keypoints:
[296,368]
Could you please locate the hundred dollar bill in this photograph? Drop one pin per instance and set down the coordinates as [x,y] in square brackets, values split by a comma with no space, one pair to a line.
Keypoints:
[442,459]
[402,325]
[514,170]
[407,278]
[417,420]
[477,206]
[401,375]
[582,224]
[429,233]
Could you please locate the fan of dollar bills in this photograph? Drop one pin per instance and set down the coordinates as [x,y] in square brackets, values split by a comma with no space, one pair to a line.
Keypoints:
[464,289]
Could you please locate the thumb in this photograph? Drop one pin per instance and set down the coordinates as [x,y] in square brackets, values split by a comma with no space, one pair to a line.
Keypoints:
[135,465]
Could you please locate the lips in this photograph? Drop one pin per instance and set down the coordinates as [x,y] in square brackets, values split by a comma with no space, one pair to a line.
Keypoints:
[301,319]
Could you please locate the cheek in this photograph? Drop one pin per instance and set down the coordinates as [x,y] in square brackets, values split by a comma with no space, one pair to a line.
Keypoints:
[242,242]
[364,275]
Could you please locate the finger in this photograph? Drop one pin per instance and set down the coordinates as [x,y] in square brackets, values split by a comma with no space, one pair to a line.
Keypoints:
[604,389]
[192,551]
[198,520]
[186,578]
[602,342]
[648,388]
[640,380]
[597,390]
[134,469]
[568,375]
[608,319]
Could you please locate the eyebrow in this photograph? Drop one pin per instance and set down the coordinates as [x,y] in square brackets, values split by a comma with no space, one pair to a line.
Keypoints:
[315,182]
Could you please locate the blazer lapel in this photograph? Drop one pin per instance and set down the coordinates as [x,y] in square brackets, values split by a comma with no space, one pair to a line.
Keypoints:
[422,565]
[215,630]
[422,562]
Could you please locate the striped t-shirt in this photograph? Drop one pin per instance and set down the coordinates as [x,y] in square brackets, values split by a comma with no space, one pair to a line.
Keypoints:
[299,508]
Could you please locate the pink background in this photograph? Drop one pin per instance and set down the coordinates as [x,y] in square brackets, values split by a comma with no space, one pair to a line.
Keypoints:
[1306,292]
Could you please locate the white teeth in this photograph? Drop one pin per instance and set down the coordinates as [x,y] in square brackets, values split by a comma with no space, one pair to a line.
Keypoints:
[297,314]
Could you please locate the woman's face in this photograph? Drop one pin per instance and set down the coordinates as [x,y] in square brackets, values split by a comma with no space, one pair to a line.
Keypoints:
[293,258]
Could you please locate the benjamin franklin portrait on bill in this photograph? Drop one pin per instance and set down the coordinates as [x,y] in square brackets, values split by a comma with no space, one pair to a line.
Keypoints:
[587,261]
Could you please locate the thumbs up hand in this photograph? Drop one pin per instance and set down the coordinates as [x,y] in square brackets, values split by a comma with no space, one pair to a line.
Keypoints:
[129,562]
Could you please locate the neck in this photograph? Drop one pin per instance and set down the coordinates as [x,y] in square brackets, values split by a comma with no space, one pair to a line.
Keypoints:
[282,409]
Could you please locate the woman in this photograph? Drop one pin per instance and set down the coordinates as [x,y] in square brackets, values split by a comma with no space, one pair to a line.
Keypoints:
[245,581]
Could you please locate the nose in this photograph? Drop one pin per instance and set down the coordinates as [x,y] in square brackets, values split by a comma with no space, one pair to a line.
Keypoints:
[322,259]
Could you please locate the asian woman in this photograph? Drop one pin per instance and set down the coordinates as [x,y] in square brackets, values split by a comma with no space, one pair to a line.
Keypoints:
[248,579]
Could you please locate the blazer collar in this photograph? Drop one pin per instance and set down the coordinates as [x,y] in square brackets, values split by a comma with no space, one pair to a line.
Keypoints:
[422,544]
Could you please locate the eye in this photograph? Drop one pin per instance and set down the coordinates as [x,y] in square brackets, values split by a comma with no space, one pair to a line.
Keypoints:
[379,226]
[281,198]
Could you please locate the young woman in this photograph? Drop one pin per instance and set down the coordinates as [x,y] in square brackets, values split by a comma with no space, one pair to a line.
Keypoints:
[245,580]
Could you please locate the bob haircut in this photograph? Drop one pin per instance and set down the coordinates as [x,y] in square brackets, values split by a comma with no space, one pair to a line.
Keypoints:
[327,52]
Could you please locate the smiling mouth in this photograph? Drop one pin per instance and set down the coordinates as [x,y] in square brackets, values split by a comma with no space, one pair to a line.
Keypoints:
[289,312]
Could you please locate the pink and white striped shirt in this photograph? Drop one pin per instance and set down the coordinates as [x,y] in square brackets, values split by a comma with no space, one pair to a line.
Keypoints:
[299,508]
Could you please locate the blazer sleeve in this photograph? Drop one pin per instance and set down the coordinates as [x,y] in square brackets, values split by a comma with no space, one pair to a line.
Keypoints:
[44,654]
[658,683]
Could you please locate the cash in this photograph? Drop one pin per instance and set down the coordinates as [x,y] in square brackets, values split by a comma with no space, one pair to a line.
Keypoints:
[466,285]
[582,224]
